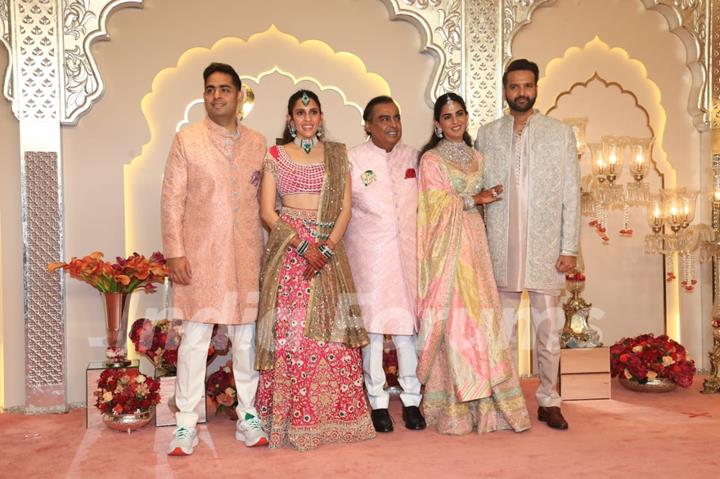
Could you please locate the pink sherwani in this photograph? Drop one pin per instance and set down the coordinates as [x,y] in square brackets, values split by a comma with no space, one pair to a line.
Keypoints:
[380,239]
[210,214]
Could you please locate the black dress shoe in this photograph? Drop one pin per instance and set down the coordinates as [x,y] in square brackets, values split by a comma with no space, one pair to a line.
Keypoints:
[553,417]
[413,418]
[381,420]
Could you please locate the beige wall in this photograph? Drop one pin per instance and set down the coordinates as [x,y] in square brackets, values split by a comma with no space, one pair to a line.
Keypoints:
[623,42]
[12,392]
[143,43]
[119,147]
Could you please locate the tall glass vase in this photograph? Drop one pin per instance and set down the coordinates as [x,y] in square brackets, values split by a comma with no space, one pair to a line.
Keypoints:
[116,322]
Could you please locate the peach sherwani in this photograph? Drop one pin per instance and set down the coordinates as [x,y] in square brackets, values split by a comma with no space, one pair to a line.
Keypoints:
[210,214]
[380,239]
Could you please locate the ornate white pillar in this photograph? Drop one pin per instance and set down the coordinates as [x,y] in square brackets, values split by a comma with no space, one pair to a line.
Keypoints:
[51,80]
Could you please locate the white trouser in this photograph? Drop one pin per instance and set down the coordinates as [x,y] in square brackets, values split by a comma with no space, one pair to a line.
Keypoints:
[548,319]
[191,369]
[375,375]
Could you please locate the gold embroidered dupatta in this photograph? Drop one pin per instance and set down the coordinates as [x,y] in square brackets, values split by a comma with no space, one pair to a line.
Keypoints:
[333,314]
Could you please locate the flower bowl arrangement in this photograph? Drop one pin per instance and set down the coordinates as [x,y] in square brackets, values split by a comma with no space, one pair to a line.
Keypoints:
[126,398]
[651,363]
[159,342]
[116,282]
[575,282]
[222,392]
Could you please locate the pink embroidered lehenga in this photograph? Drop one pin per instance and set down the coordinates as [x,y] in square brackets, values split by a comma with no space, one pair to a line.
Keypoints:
[309,333]
[464,362]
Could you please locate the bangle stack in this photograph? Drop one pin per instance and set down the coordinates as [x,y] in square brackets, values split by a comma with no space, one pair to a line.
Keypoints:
[326,251]
[302,247]
[469,202]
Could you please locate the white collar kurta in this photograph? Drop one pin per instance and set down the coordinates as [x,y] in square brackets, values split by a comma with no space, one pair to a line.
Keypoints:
[380,238]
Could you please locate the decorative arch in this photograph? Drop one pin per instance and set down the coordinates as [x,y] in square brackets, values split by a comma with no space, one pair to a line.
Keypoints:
[293,78]
[623,91]
[603,58]
[441,32]
[687,19]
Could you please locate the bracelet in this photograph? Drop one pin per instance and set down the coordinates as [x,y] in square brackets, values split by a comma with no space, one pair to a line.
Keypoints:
[302,247]
[469,202]
[327,252]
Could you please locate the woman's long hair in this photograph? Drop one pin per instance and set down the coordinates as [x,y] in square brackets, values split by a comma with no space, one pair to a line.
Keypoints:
[439,103]
[287,137]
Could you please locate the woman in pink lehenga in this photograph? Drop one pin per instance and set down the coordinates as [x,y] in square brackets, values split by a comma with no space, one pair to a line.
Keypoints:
[464,362]
[309,328]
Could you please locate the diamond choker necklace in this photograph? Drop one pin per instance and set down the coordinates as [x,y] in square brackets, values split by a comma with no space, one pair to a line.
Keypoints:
[306,143]
[458,153]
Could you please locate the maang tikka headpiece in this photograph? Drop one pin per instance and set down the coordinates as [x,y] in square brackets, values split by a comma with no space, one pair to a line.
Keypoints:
[305,99]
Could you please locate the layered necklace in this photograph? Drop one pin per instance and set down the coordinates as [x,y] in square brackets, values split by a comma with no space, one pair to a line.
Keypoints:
[306,144]
[458,153]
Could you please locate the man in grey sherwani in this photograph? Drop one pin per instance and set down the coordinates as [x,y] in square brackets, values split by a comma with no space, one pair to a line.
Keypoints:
[534,233]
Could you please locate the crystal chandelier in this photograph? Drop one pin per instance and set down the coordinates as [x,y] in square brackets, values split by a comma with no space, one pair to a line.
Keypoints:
[601,191]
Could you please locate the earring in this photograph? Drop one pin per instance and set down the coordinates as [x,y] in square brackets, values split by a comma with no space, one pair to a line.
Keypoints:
[319,131]
[292,130]
[438,132]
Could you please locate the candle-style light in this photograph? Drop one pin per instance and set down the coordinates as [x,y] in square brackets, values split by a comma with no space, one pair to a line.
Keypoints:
[639,157]
[597,161]
[612,151]
[579,127]
[655,216]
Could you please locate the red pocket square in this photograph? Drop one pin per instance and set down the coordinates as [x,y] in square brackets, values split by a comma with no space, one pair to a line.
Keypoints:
[410,173]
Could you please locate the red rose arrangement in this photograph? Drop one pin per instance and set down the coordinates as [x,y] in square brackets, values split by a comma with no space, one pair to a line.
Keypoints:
[126,391]
[647,357]
[575,276]
[222,392]
[159,342]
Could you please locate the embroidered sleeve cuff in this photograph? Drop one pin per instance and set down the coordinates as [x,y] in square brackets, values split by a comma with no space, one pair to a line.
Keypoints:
[568,253]
[468,202]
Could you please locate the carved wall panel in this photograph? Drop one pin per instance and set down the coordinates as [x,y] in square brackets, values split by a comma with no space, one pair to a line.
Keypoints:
[44,313]
[51,79]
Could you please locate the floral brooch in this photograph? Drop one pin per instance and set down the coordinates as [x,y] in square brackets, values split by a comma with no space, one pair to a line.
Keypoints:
[368,177]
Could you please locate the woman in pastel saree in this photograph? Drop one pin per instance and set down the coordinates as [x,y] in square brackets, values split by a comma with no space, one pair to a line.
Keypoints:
[464,363]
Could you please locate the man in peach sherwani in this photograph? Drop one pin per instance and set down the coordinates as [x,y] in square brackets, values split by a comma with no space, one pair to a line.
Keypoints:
[380,243]
[212,237]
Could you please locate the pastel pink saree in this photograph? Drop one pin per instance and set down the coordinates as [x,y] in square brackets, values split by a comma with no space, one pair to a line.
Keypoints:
[464,362]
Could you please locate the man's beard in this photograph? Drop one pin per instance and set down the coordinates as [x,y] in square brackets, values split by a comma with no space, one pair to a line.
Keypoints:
[521,109]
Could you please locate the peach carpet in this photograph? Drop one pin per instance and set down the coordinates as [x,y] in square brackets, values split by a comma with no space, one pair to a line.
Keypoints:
[673,435]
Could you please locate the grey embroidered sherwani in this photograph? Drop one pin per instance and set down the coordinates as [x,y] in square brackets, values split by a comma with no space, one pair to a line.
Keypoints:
[542,189]
[553,198]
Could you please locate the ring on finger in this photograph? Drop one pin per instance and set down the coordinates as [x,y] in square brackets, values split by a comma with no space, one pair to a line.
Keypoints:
[494,193]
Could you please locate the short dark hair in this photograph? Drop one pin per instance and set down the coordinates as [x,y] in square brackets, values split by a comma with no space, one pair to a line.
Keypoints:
[215,67]
[521,64]
[378,100]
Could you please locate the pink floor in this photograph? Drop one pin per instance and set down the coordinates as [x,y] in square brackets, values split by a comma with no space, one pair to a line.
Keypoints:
[636,435]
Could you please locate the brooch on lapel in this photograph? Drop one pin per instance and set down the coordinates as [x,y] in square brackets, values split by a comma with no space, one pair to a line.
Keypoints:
[410,173]
[368,177]
[255,178]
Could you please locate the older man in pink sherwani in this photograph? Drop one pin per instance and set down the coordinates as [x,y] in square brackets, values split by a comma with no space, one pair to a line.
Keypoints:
[212,237]
[380,243]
